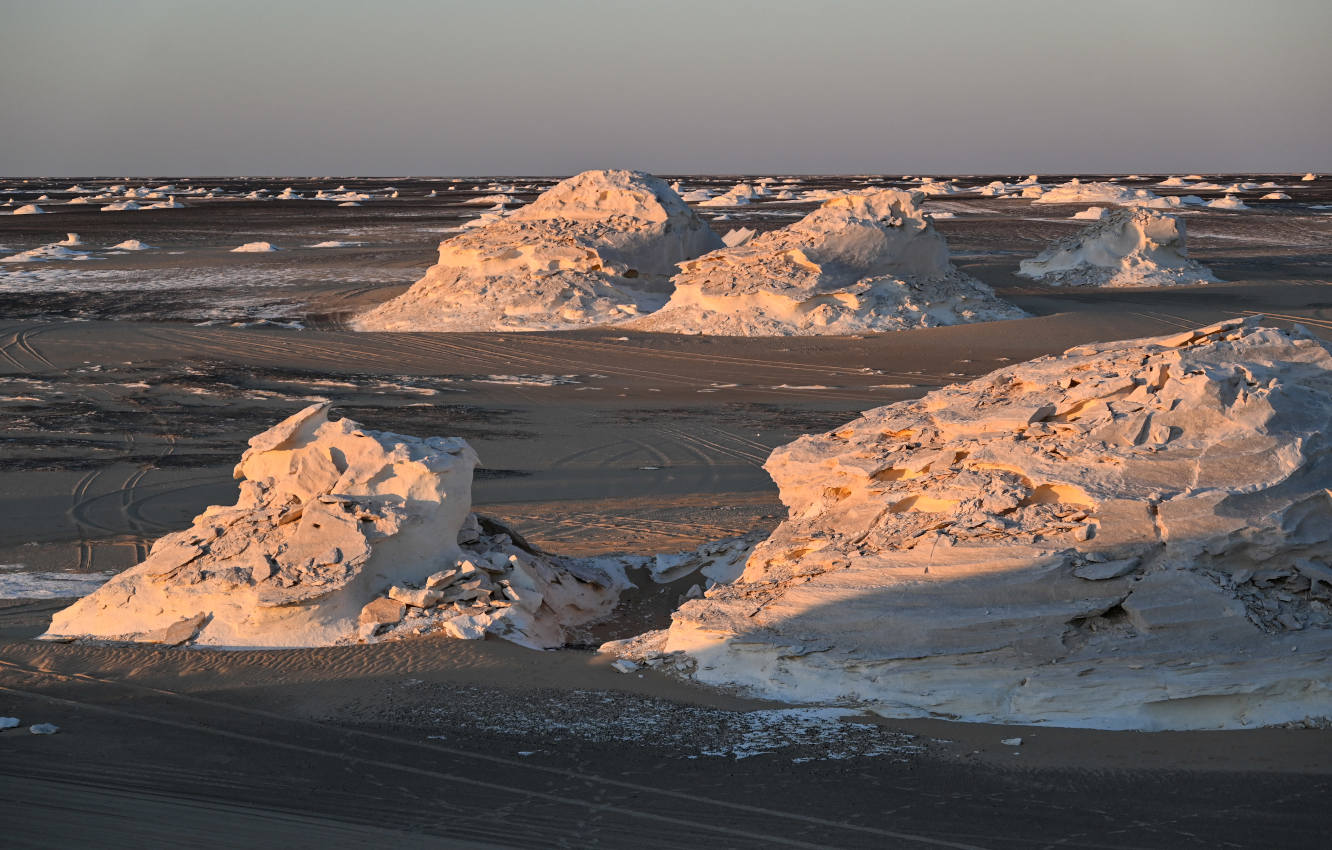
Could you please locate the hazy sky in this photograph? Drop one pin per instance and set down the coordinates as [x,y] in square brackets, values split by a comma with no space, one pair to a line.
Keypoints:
[418,87]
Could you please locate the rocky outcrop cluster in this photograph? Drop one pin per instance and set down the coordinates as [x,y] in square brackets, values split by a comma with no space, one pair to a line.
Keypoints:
[595,249]
[502,586]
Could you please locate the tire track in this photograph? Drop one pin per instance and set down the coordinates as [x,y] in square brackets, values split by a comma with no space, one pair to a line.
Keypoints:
[22,343]
[74,515]
[391,356]
[725,451]
[722,359]
[376,741]
[569,458]
[1285,317]
[4,350]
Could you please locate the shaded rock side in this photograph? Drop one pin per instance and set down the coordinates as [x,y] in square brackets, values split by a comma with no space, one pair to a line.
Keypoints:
[1129,535]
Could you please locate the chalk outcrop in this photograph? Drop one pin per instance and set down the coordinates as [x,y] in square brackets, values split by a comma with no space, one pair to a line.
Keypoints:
[737,196]
[343,534]
[1129,535]
[1133,247]
[1077,192]
[861,262]
[597,248]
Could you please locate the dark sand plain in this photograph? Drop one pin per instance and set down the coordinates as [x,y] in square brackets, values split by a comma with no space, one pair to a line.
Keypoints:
[123,416]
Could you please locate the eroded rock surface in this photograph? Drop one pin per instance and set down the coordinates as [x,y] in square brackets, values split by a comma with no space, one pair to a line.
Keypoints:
[1129,535]
[867,261]
[1128,247]
[597,248]
[343,534]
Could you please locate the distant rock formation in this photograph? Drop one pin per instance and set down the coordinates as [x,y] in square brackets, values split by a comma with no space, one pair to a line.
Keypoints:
[1077,192]
[1132,535]
[1133,247]
[595,249]
[861,262]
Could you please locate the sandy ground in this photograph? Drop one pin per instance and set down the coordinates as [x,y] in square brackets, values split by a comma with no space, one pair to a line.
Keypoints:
[123,418]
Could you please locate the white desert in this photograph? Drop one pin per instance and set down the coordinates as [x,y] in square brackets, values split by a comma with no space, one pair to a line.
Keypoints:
[617,425]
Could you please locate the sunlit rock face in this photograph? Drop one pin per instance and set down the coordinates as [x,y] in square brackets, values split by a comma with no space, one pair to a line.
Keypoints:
[1131,247]
[861,262]
[1129,535]
[595,249]
[343,534]
[1077,192]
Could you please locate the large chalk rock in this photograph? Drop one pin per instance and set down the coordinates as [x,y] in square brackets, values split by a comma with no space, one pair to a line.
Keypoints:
[1077,192]
[1130,535]
[597,248]
[342,534]
[867,261]
[1131,247]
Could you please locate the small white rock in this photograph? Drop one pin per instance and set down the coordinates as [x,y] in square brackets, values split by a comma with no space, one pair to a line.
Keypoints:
[1011,742]
[464,628]
[624,665]
[43,729]
[8,722]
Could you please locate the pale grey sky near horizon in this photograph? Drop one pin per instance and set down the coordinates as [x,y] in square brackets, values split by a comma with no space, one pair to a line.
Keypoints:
[335,87]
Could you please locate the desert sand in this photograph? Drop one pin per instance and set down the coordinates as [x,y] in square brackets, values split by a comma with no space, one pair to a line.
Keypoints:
[133,381]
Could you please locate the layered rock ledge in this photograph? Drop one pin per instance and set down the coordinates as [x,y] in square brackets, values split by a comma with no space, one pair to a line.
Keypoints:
[1131,535]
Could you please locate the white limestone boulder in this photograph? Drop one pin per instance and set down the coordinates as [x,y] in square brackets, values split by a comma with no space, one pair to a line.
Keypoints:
[1127,248]
[343,534]
[596,248]
[1131,535]
[861,262]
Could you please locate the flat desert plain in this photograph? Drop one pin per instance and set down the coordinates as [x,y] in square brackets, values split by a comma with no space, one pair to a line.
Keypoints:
[130,382]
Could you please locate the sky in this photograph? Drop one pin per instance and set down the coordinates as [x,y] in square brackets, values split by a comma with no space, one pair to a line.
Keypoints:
[540,87]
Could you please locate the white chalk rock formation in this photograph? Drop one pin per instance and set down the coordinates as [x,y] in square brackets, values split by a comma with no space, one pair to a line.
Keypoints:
[1092,214]
[340,534]
[865,261]
[737,196]
[255,248]
[931,187]
[738,236]
[29,209]
[597,248]
[1077,192]
[1130,247]
[54,251]
[1131,535]
[1229,202]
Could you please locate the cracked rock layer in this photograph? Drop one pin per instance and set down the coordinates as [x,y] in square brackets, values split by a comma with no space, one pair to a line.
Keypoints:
[1129,535]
